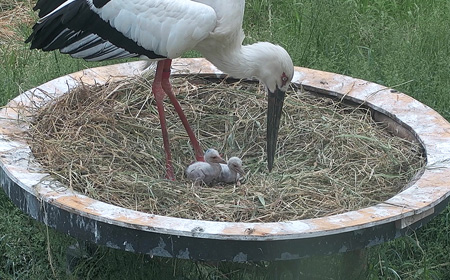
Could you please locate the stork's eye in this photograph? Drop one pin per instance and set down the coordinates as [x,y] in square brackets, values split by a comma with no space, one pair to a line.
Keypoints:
[284,79]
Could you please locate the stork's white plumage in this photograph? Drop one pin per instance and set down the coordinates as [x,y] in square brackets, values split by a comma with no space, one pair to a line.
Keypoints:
[232,171]
[161,30]
[207,172]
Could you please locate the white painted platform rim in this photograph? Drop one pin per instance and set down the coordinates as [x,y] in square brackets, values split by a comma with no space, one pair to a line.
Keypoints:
[412,204]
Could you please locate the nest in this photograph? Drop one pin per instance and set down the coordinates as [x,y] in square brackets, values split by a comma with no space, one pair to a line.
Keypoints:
[105,142]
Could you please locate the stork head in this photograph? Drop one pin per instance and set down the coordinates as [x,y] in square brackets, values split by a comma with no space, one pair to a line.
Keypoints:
[213,156]
[276,74]
[235,164]
[270,64]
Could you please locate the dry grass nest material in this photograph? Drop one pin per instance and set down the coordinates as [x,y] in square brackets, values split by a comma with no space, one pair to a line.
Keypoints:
[13,16]
[105,142]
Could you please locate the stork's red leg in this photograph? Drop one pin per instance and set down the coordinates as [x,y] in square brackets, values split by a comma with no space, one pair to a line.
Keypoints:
[168,89]
[158,92]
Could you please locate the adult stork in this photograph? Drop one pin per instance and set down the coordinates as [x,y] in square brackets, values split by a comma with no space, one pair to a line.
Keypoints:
[161,30]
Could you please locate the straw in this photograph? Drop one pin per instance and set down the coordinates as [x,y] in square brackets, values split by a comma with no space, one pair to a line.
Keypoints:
[105,142]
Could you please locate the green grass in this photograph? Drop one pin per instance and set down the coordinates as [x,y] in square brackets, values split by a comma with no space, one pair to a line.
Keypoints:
[400,43]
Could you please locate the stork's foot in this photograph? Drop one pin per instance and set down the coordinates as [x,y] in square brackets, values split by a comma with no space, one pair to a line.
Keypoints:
[170,174]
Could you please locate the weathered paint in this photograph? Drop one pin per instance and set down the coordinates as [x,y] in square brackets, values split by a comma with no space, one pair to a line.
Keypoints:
[47,200]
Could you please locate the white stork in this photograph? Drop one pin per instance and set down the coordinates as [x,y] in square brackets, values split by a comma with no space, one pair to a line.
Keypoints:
[97,30]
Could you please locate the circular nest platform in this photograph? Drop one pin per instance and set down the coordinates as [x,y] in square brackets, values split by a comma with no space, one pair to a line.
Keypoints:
[310,165]
[104,141]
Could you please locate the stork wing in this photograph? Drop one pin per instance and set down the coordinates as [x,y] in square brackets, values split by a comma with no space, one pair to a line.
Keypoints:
[47,6]
[105,29]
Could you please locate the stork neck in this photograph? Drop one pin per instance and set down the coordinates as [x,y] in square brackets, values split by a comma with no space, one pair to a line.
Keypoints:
[216,167]
[233,172]
[239,62]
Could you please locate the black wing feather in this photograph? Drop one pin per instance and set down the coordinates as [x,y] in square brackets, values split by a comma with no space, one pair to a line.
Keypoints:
[79,31]
[47,6]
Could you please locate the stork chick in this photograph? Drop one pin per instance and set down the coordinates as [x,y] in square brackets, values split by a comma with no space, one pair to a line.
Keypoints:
[232,171]
[207,172]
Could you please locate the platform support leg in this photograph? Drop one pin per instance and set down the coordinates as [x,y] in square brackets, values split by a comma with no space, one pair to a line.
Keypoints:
[349,265]
[76,252]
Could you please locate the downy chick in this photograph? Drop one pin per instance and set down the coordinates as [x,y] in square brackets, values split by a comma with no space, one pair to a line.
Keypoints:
[208,171]
[232,171]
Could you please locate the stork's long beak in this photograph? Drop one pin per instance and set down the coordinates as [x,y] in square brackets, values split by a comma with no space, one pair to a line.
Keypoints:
[274,108]
[241,171]
[220,160]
